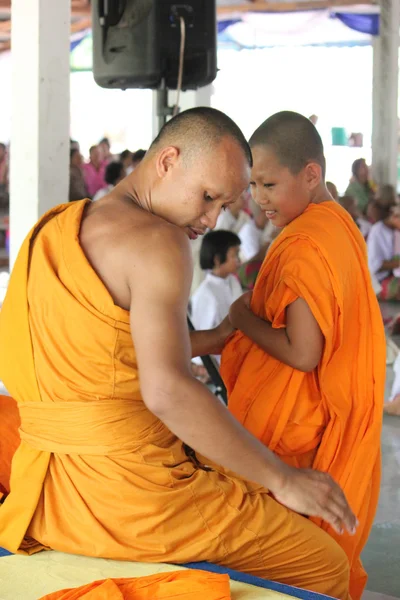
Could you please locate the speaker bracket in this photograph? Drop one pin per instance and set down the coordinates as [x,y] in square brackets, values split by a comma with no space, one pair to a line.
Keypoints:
[182,10]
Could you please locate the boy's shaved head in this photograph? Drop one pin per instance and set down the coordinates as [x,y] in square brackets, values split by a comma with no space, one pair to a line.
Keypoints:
[293,139]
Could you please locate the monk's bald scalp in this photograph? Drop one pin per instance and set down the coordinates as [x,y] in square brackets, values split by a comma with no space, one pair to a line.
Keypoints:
[200,129]
[293,139]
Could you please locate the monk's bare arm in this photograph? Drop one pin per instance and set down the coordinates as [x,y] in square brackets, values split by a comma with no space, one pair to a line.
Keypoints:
[211,341]
[162,343]
[299,345]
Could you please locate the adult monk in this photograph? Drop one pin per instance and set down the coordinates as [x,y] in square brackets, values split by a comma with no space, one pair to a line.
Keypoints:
[95,349]
[305,372]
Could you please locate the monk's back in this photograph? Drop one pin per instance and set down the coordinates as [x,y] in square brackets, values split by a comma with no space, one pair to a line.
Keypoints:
[109,443]
[64,289]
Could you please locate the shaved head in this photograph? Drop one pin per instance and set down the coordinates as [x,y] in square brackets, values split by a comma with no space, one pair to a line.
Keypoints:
[200,129]
[293,139]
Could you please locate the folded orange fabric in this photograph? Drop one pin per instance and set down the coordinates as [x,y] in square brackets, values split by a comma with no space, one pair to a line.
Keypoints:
[187,585]
[9,439]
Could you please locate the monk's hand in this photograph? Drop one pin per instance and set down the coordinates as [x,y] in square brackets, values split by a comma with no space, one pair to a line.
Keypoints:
[316,494]
[239,309]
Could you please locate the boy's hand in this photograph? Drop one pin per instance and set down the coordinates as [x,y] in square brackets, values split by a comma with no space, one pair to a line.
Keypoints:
[239,309]
[225,330]
[316,494]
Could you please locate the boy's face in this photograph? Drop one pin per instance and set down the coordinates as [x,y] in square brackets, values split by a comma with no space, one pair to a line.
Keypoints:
[280,194]
[232,263]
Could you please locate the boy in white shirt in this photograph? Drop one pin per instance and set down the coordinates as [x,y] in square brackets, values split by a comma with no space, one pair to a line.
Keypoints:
[219,256]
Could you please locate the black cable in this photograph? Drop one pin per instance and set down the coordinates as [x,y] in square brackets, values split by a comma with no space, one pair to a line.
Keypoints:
[213,371]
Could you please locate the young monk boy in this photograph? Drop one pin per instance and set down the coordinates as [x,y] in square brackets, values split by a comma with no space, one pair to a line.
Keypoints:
[305,370]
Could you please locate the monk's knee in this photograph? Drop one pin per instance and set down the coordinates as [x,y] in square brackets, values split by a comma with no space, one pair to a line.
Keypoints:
[337,572]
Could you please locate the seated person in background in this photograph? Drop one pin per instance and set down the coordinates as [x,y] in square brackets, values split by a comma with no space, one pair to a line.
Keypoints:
[233,217]
[360,186]
[386,195]
[94,171]
[219,256]
[305,371]
[137,158]
[349,203]
[332,189]
[248,271]
[392,407]
[384,251]
[252,235]
[256,236]
[115,173]
[126,158]
[373,212]
[74,145]
[77,185]
[105,147]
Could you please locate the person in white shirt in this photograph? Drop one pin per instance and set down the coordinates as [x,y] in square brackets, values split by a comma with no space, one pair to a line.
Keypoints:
[384,252]
[115,172]
[349,203]
[219,256]
[233,217]
[126,158]
[256,237]
[252,234]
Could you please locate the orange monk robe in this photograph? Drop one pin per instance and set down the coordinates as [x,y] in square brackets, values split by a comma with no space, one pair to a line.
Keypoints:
[96,473]
[329,419]
[9,439]
[185,585]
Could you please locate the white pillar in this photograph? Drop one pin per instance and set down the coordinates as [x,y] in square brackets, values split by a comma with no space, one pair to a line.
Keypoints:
[39,154]
[385,95]
[190,99]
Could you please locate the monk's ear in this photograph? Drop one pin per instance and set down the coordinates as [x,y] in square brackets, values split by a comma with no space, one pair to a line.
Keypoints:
[313,175]
[166,160]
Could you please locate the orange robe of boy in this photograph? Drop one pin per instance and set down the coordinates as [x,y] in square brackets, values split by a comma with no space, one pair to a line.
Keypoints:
[329,419]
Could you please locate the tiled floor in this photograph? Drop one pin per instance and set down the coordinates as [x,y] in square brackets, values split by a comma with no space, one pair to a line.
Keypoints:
[376,596]
[381,556]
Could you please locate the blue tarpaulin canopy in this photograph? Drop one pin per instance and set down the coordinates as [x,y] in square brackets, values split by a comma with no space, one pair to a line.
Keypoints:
[353,27]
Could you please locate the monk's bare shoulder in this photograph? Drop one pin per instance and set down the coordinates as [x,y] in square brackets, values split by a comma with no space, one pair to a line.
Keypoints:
[152,242]
[129,247]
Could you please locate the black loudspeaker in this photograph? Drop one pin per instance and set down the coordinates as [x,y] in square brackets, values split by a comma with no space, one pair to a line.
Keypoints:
[136,43]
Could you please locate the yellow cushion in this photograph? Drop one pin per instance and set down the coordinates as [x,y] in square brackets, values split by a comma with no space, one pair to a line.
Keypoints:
[30,577]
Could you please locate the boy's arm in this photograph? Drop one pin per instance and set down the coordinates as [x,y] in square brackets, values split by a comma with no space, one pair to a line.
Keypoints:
[211,341]
[299,344]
